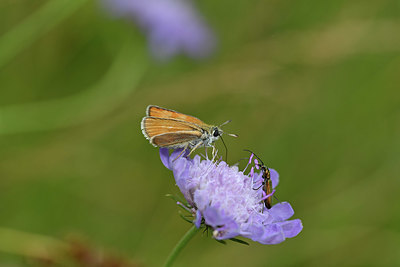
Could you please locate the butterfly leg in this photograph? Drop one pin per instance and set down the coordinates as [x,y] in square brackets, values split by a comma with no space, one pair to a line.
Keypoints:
[195,147]
[183,150]
[214,152]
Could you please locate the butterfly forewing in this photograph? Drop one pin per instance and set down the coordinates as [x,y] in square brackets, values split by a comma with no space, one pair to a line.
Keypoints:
[178,139]
[155,126]
[159,112]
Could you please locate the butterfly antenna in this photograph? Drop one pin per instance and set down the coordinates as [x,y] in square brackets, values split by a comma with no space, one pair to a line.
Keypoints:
[254,155]
[228,121]
[226,149]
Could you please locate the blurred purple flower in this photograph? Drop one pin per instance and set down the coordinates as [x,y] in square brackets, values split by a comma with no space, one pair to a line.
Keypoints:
[224,198]
[172,26]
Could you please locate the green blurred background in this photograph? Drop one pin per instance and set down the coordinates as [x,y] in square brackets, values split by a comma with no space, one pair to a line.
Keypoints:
[311,86]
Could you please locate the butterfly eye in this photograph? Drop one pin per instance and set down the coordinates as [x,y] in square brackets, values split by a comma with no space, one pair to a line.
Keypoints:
[216,133]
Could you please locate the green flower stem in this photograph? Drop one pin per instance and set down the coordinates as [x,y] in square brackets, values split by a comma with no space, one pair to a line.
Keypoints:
[181,244]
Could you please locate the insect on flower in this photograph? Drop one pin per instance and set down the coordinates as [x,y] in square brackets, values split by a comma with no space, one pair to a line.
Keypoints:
[267,183]
[166,128]
[223,197]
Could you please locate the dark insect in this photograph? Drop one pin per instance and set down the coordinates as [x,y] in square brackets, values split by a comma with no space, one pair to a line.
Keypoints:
[267,183]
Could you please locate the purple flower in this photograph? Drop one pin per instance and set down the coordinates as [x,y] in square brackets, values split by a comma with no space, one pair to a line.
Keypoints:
[226,200]
[172,26]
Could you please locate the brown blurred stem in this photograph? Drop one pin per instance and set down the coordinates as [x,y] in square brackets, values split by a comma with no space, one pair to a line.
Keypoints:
[32,245]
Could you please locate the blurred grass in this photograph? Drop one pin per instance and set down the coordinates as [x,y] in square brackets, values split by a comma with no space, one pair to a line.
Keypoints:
[310,86]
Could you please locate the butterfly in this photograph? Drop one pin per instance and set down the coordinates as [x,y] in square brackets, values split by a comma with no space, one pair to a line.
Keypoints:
[171,129]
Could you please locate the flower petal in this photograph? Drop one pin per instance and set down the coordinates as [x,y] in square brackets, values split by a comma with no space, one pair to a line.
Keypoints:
[274,178]
[181,170]
[251,158]
[281,211]
[213,217]
[180,167]
[228,230]
[201,199]
[256,164]
[164,155]
[291,228]
[273,234]
[197,220]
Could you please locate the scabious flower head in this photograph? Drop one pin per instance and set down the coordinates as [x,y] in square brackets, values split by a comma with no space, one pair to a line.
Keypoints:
[225,199]
[172,26]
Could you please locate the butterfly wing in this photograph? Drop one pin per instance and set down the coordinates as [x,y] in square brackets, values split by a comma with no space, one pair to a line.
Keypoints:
[175,140]
[159,112]
[152,126]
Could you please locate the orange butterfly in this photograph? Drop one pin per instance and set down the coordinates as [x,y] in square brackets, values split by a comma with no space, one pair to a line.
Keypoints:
[170,129]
